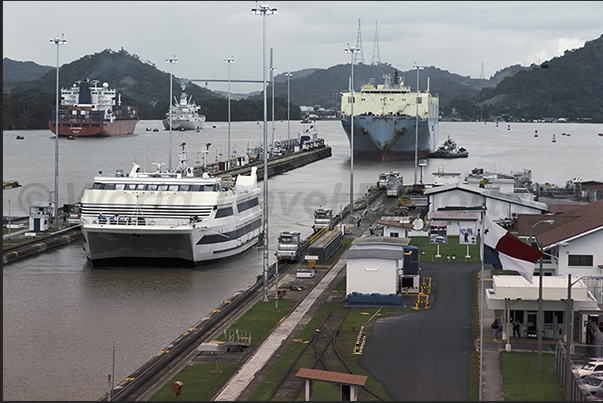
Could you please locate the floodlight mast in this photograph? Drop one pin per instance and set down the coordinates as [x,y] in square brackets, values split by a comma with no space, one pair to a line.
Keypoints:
[265,10]
[57,41]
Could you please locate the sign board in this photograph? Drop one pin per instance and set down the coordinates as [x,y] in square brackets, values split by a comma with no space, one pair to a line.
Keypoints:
[438,232]
[467,233]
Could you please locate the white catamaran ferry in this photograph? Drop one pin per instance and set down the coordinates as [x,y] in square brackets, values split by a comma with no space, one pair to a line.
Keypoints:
[169,218]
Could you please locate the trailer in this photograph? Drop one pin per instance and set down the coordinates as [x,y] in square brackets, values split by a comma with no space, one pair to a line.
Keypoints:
[289,246]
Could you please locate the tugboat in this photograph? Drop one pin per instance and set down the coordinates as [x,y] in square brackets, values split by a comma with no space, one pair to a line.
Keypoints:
[449,150]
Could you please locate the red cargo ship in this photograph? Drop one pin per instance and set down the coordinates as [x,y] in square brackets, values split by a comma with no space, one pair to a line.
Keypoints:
[90,110]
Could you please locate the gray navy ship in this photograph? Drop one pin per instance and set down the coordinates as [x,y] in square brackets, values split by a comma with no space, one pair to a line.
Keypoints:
[385,120]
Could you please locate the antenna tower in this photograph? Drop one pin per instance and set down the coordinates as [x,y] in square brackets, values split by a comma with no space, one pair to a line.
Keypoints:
[482,75]
[376,58]
[359,56]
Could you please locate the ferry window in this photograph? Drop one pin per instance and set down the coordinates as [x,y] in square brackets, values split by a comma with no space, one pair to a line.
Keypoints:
[162,187]
[196,188]
[120,186]
[109,186]
[209,188]
[185,188]
[141,186]
[580,260]
[152,187]
[131,186]
[173,188]
[97,185]
[224,212]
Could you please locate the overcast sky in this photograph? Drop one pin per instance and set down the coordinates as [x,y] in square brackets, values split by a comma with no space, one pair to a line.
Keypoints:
[460,37]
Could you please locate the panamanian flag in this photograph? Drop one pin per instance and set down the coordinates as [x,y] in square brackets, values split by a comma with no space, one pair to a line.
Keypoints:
[505,251]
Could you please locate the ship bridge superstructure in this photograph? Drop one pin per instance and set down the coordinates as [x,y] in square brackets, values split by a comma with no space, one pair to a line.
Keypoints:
[389,98]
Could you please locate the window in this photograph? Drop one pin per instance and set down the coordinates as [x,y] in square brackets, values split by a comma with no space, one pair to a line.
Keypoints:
[162,187]
[141,187]
[131,186]
[580,260]
[152,187]
[120,186]
[224,212]
[246,205]
[97,185]
[173,188]
[393,235]
[185,188]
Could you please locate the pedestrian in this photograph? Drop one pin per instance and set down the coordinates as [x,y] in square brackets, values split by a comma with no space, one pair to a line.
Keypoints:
[495,328]
[516,327]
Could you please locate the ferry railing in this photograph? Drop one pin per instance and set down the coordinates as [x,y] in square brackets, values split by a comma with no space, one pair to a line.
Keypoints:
[139,221]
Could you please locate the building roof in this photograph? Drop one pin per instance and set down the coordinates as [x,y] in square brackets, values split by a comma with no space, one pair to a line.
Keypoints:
[460,216]
[394,222]
[569,225]
[554,288]
[355,253]
[380,240]
[331,376]
[488,193]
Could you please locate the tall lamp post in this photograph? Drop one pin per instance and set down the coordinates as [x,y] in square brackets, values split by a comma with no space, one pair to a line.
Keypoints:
[540,325]
[351,50]
[417,67]
[171,60]
[272,68]
[288,74]
[264,10]
[229,60]
[57,41]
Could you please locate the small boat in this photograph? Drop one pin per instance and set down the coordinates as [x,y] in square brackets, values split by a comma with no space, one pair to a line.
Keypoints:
[449,150]
[554,141]
[535,133]
[19,137]
[155,129]
[71,138]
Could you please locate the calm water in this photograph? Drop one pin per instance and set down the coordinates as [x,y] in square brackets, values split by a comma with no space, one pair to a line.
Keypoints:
[61,316]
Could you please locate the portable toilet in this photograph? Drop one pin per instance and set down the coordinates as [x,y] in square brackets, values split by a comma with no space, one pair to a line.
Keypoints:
[39,216]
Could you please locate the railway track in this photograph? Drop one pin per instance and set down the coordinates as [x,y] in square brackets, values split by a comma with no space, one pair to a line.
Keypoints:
[319,353]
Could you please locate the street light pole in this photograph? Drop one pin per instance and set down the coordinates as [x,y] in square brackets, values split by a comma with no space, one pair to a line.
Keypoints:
[229,60]
[351,50]
[171,60]
[417,67]
[57,41]
[264,10]
[288,74]
[540,325]
[272,68]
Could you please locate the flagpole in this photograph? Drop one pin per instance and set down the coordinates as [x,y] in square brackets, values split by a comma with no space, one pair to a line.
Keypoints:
[481,303]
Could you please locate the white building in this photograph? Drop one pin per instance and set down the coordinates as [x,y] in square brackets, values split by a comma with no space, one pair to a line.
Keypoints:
[518,299]
[374,264]
[463,197]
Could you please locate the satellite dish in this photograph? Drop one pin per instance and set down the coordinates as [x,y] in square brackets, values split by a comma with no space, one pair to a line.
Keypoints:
[418,224]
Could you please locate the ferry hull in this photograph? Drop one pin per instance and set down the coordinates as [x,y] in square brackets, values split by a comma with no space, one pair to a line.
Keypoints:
[108,245]
[101,129]
[391,137]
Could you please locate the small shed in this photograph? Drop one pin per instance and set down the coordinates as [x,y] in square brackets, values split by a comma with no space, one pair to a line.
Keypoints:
[39,216]
[348,382]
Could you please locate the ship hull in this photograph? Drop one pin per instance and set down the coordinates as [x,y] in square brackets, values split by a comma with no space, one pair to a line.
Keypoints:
[110,244]
[182,124]
[118,127]
[391,137]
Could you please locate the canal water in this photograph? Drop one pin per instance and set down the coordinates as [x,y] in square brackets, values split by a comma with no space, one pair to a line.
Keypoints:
[62,317]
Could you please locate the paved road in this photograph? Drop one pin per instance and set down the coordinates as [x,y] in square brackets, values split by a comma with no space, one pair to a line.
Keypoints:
[424,355]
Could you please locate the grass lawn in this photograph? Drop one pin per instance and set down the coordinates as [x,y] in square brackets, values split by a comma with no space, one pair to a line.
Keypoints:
[428,252]
[523,382]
